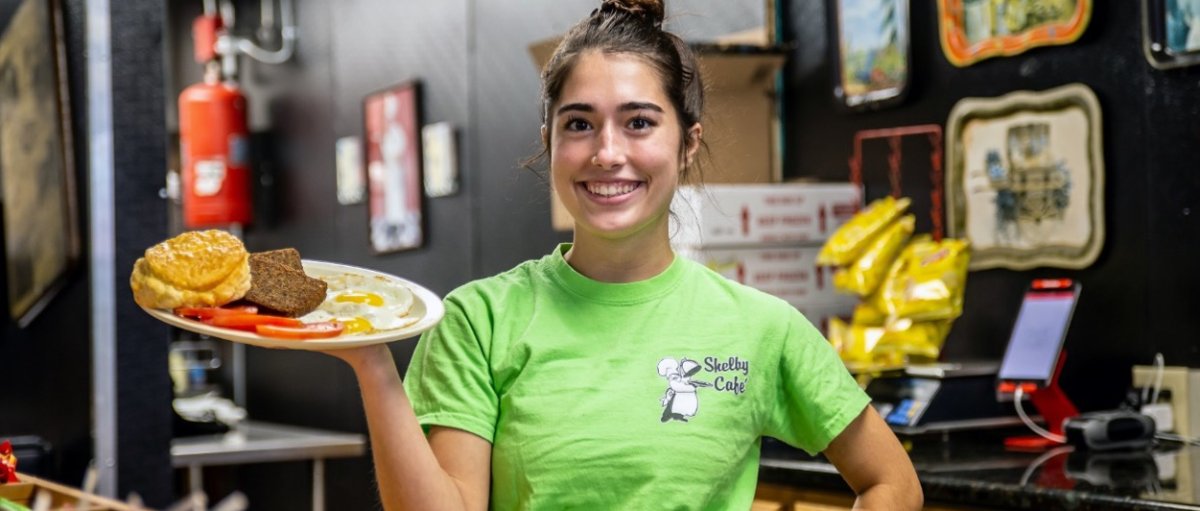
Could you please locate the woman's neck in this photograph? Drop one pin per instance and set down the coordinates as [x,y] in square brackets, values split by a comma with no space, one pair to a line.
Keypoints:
[639,257]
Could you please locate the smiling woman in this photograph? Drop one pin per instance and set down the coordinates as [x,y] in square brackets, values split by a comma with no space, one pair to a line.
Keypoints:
[584,365]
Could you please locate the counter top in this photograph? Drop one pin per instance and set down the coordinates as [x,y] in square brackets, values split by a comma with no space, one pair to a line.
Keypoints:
[258,442]
[974,469]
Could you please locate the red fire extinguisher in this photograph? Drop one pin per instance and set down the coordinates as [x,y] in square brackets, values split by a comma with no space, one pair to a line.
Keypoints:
[214,147]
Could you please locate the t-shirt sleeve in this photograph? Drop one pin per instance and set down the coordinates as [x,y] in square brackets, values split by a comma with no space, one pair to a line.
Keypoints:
[816,397]
[449,379]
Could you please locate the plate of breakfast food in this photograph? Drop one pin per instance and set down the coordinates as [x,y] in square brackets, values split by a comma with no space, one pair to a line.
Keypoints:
[206,282]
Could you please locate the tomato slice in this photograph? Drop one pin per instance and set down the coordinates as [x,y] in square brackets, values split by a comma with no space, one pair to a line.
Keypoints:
[322,330]
[250,321]
[210,312]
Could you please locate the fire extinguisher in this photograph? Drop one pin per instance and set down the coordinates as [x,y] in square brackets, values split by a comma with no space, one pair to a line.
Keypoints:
[214,144]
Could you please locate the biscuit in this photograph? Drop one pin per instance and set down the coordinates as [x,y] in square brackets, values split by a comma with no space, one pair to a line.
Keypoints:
[194,269]
[197,260]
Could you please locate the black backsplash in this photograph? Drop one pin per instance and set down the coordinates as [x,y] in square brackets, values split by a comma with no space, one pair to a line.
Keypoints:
[1139,297]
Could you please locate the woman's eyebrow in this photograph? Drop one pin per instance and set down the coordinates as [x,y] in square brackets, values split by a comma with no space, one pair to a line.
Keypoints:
[575,107]
[638,105]
[625,107]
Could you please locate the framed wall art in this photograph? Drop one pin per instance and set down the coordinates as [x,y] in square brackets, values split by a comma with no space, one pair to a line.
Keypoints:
[1171,32]
[1025,178]
[872,52]
[351,186]
[41,234]
[441,159]
[392,148]
[974,30]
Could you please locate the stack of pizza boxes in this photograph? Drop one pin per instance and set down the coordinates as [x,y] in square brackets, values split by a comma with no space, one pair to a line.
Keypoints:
[767,236]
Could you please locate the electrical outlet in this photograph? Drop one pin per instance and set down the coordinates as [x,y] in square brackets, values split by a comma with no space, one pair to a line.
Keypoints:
[1180,388]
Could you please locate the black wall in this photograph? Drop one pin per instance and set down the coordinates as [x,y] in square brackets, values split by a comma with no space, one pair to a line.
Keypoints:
[1139,297]
[47,383]
[46,389]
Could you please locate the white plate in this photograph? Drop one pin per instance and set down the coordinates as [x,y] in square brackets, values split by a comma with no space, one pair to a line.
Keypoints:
[427,308]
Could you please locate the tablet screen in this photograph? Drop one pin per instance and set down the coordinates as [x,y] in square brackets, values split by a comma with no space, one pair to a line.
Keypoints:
[1038,335]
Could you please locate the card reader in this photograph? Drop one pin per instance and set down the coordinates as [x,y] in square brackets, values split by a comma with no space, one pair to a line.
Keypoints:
[1109,430]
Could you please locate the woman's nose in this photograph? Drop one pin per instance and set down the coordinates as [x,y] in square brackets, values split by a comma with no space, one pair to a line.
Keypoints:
[610,150]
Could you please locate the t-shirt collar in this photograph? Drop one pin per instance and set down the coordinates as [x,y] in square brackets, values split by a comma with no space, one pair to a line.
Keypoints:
[607,292]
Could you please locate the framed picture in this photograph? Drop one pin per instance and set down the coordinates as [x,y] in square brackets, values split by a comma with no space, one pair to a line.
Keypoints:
[872,52]
[392,147]
[351,185]
[973,30]
[441,160]
[41,232]
[1025,178]
[1171,32]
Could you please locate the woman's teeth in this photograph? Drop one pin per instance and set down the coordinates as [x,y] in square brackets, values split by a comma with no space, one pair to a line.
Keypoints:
[611,189]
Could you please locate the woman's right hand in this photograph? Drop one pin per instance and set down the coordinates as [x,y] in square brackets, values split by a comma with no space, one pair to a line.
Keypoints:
[363,356]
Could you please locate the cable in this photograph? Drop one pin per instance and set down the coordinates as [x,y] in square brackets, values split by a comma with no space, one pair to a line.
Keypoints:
[1158,376]
[1017,397]
[1172,437]
[1159,365]
[1042,459]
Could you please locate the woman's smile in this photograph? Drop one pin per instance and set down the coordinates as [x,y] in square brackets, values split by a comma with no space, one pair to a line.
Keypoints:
[611,192]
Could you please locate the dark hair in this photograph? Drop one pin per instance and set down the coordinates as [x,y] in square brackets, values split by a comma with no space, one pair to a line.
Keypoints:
[632,27]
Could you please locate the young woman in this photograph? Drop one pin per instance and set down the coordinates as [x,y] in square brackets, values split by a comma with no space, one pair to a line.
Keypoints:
[611,374]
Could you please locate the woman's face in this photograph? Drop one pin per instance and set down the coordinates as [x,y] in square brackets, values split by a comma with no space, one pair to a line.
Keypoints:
[614,146]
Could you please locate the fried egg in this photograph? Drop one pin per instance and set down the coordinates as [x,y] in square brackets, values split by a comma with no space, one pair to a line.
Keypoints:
[364,304]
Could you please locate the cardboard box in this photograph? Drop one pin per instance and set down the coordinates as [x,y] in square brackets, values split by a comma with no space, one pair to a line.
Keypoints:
[790,273]
[819,316]
[747,215]
[741,127]
[59,497]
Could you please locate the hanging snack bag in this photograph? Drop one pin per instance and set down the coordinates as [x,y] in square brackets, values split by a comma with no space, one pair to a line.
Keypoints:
[927,282]
[851,239]
[912,341]
[859,346]
[864,275]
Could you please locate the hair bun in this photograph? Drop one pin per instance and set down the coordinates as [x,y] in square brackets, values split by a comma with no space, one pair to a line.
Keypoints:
[652,10]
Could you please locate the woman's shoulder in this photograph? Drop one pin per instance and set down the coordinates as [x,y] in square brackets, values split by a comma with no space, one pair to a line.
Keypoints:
[517,280]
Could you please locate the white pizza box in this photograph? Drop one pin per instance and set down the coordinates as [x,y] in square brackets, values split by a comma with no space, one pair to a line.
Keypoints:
[790,273]
[820,315]
[740,215]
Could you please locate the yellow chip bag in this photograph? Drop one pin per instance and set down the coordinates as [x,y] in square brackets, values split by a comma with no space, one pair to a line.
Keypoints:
[928,279]
[856,345]
[864,275]
[912,341]
[851,239]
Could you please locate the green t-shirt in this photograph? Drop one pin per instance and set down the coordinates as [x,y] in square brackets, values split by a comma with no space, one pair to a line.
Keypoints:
[647,395]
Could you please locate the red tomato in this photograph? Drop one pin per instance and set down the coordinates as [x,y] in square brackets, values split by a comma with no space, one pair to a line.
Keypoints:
[323,330]
[209,312]
[250,321]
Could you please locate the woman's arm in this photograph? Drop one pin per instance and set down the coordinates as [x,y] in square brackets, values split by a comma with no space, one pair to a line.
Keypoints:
[873,463]
[450,470]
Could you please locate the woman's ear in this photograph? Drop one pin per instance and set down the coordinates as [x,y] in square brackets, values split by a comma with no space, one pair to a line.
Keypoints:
[545,136]
[694,134]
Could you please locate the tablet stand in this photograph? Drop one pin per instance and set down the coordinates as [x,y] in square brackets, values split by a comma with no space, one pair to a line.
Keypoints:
[1052,403]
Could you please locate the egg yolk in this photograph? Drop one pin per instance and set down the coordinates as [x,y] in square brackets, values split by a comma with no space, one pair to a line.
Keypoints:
[370,299]
[355,325]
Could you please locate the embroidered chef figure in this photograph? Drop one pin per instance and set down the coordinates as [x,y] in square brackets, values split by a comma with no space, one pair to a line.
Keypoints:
[679,402]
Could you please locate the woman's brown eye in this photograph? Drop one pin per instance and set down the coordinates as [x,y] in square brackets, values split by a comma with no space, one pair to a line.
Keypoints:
[641,123]
[576,125]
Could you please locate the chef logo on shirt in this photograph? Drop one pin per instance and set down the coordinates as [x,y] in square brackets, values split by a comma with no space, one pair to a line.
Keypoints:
[680,402]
